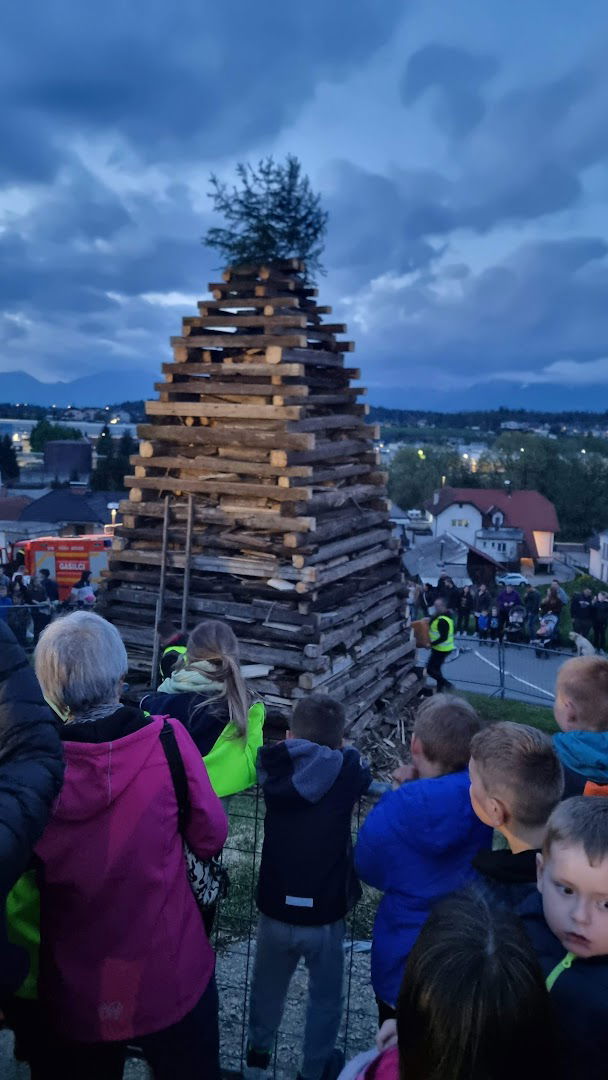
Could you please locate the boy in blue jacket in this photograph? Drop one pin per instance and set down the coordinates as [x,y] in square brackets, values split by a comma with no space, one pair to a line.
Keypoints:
[418,843]
[568,927]
[307,882]
[581,711]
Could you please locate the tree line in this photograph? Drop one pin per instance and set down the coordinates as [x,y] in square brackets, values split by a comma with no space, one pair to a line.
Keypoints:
[575,481]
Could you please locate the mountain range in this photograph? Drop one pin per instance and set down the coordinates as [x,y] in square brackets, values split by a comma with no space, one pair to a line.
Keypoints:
[103,388]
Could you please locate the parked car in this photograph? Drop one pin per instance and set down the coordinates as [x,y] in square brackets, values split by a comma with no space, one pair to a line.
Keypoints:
[511,579]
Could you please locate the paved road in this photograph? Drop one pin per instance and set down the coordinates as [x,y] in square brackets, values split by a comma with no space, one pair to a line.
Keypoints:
[527,677]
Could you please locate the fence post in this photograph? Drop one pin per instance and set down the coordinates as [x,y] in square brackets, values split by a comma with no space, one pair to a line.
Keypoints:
[501,667]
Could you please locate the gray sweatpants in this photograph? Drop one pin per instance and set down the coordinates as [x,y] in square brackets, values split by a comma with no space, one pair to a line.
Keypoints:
[279,948]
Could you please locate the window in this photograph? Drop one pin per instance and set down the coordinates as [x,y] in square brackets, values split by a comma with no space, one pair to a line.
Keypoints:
[605,552]
[460,523]
[501,546]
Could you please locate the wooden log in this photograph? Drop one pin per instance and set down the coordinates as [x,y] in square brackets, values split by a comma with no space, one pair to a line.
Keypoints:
[327,423]
[343,547]
[243,412]
[282,354]
[258,303]
[329,499]
[218,464]
[205,605]
[353,566]
[338,525]
[208,387]
[223,369]
[270,521]
[256,568]
[265,322]
[239,341]
[212,487]
[323,452]
[223,435]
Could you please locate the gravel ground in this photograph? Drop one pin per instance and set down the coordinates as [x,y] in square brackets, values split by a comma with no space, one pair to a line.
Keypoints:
[234,968]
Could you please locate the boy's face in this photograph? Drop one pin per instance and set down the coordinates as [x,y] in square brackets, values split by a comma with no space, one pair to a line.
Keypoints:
[575,899]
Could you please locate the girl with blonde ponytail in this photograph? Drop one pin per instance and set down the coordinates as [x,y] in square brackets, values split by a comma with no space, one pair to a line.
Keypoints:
[207,692]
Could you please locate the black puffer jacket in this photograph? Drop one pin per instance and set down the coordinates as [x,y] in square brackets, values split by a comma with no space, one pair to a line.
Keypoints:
[31,772]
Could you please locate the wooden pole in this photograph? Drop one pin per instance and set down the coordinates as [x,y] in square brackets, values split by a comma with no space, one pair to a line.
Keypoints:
[186,594]
[160,603]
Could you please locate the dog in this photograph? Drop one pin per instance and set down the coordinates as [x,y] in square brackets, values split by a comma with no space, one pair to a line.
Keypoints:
[583,646]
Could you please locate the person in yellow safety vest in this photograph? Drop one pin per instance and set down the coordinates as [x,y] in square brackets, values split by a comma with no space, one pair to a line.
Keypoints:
[172,644]
[441,635]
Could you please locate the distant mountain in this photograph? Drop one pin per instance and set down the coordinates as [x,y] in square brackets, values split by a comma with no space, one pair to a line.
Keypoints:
[103,388]
[548,397]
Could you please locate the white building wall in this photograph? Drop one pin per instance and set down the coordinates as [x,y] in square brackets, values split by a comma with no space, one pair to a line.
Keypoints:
[598,560]
[460,521]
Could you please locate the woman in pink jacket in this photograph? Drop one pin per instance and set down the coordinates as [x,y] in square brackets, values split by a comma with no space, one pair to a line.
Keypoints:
[124,955]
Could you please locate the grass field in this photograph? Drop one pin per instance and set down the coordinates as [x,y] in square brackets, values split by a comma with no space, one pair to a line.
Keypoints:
[492,709]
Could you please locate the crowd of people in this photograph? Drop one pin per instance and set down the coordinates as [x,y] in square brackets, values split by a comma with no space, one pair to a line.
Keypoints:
[29,602]
[496,613]
[486,962]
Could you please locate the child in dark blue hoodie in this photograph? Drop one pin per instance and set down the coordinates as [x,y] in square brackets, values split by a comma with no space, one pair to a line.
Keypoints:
[307,882]
[581,711]
[418,843]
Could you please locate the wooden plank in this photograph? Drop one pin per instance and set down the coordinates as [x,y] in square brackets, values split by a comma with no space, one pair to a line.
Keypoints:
[318,357]
[257,302]
[212,487]
[239,341]
[343,547]
[266,322]
[328,423]
[209,387]
[260,611]
[329,499]
[362,602]
[253,369]
[323,451]
[353,566]
[345,524]
[268,520]
[218,564]
[217,465]
[243,412]
[222,435]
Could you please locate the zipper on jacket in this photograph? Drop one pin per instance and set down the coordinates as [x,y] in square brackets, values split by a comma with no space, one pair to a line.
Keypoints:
[564,965]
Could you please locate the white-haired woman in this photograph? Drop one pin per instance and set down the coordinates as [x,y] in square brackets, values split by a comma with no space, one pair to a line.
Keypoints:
[124,956]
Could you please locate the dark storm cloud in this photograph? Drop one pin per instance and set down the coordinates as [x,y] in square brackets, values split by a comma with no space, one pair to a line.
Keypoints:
[172,77]
[543,302]
[458,78]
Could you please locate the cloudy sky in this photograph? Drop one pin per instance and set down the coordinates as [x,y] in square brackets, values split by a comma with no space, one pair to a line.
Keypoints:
[461,149]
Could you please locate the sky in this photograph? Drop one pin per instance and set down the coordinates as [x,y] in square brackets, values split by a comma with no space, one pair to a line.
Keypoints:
[460,149]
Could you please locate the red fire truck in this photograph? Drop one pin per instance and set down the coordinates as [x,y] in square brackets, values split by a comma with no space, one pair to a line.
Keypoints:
[66,557]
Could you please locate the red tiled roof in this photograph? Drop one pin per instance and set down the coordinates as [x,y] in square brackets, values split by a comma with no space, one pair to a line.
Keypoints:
[527,510]
[11,507]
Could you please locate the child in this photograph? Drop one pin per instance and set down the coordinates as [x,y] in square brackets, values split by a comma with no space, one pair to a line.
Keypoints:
[495,627]
[568,926]
[307,882]
[483,624]
[417,844]
[581,711]
[516,781]
[473,1004]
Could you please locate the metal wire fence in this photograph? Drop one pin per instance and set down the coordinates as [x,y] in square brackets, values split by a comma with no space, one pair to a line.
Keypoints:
[518,670]
[233,938]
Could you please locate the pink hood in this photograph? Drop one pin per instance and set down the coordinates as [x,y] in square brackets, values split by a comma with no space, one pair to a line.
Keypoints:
[124,951]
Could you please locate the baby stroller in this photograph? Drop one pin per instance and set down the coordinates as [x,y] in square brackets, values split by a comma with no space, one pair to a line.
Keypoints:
[546,634]
[514,627]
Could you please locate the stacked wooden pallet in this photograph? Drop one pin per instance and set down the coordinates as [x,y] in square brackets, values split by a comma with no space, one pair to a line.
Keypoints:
[277,513]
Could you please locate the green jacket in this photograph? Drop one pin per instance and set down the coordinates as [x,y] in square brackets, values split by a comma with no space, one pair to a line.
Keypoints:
[230,764]
[23,927]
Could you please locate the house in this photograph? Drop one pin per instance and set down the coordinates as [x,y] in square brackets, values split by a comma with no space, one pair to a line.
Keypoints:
[598,556]
[507,525]
[75,513]
[429,559]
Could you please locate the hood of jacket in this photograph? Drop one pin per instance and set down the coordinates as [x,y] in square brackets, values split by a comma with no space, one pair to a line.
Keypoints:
[585,752]
[102,758]
[299,769]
